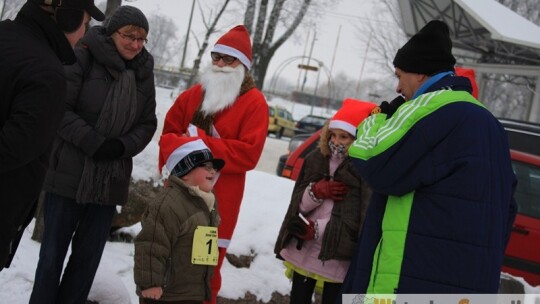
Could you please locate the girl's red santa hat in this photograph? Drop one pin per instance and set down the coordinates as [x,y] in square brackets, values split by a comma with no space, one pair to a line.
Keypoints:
[351,114]
[184,154]
[236,43]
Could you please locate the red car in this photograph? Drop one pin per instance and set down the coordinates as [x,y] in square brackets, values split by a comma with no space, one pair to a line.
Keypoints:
[522,256]
[295,159]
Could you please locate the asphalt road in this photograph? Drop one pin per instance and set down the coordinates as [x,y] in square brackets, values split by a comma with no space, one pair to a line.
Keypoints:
[273,149]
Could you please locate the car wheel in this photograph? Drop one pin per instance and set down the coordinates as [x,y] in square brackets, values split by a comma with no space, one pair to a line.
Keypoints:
[281,164]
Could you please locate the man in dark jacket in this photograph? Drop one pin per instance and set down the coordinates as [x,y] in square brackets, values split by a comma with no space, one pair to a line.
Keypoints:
[442,206]
[34,48]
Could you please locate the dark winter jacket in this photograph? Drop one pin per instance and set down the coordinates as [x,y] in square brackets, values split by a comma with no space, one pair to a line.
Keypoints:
[442,209]
[98,67]
[163,248]
[341,233]
[32,98]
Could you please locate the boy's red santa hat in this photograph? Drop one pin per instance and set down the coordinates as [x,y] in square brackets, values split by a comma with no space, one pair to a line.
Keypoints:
[351,114]
[236,43]
[183,154]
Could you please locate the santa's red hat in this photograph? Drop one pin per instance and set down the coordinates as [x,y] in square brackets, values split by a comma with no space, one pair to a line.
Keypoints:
[351,114]
[183,154]
[236,43]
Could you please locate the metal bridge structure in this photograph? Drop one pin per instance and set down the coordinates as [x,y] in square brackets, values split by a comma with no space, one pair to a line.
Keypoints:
[487,36]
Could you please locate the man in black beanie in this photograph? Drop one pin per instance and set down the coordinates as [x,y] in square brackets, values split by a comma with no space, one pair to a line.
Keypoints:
[34,47]
[441,211]
[426,54]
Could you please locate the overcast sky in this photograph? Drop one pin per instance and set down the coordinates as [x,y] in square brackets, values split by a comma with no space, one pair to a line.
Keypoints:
[348,53]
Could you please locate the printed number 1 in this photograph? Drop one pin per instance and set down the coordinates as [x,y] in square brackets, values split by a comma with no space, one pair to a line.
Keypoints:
[209,243]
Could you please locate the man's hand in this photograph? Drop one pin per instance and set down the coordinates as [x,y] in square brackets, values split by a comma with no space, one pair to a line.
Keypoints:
[152,293]
[329,189]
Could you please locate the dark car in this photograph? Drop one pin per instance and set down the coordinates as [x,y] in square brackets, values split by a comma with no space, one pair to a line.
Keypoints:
[522,256]
[309,124]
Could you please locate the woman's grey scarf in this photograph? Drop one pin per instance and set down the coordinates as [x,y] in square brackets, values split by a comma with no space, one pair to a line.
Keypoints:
[116,118]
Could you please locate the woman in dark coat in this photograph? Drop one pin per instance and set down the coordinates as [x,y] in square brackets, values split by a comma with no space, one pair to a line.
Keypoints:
[110,117]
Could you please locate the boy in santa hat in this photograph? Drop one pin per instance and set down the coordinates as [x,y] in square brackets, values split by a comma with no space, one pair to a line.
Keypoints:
[176,250]
[230,115]
[318,235]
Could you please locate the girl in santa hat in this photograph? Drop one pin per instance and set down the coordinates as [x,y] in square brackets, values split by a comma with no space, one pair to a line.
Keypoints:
[318,235]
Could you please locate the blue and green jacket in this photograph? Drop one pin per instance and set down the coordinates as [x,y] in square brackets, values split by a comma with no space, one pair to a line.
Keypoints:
[442,205]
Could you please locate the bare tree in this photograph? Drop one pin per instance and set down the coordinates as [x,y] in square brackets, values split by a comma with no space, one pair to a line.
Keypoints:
[505,95]
[210,29]
[162,42]
[263,26]
[509,96]
[526,8]
[382,36]
[112,5]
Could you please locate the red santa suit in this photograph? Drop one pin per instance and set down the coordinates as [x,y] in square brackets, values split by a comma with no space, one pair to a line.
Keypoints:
[237,135]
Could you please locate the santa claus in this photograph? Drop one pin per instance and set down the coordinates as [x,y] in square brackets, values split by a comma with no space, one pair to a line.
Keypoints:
[230,114]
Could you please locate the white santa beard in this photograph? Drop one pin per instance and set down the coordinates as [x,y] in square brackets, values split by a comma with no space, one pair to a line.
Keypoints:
[221,87]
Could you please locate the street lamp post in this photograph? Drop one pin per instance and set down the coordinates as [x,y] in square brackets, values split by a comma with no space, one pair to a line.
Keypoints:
[363,64]
[187,36]
[309,59]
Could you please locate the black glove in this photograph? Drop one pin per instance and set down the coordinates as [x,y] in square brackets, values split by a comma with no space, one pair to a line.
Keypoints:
[389,108]
[111,148]
[300,229]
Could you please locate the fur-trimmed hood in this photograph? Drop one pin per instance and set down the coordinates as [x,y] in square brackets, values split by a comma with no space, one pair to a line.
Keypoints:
[325,137]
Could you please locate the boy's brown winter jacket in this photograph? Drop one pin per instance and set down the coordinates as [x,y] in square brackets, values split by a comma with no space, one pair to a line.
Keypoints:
[164,245]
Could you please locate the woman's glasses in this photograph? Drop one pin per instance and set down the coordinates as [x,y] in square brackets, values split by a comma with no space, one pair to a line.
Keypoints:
[132,38]
[226,58]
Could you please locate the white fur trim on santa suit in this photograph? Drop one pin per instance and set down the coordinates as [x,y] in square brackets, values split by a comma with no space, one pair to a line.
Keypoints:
[192,130]
[182,151]
[227,50]
[223,243]
[343,125]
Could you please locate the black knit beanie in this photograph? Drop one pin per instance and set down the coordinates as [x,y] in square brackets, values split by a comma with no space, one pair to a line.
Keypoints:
[427,52]
[126,15]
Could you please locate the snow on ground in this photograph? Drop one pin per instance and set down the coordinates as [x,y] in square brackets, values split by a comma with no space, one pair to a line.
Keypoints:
[265,201]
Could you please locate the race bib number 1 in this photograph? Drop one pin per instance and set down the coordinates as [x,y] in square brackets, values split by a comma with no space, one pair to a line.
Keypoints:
[205,249]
